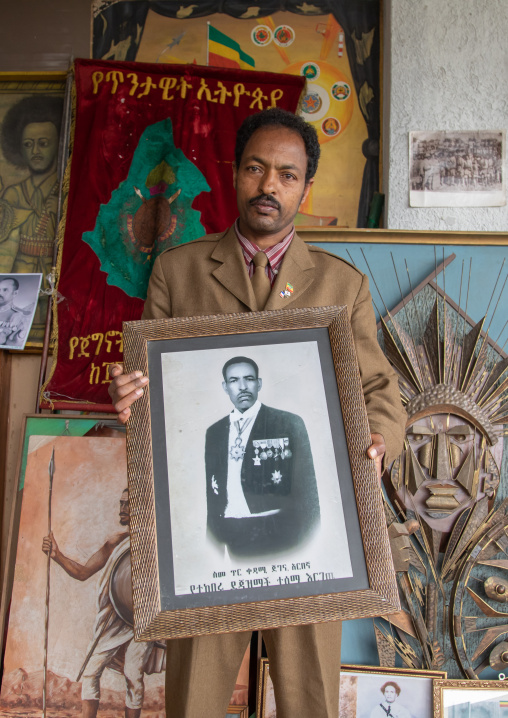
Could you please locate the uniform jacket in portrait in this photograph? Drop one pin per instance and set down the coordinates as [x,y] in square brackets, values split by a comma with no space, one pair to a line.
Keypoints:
[209,276]
[277,474]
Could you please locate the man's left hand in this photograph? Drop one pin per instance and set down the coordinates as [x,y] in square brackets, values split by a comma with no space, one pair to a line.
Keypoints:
[376,451]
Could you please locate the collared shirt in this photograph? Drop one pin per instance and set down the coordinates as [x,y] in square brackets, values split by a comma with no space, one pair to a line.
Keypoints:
[275,254]
[240,426]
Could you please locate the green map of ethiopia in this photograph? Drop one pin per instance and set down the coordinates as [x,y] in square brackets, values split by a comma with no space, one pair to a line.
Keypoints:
[149,212]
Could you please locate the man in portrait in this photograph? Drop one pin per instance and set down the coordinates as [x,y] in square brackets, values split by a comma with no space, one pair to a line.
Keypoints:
[261,263]
[29,138]
[113,644]
[260,482]
[388,707]
[13,319]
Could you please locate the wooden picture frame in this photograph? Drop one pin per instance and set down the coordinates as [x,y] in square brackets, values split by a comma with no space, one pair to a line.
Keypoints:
[242,711]
[486,697]
[168,513]
[361,683]
[26,239]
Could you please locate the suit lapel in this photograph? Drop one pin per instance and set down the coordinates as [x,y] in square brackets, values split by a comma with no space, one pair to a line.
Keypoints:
[232,272]
[297,269]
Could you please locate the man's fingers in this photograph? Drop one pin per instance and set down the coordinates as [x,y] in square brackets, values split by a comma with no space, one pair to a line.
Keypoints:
[124,385]
[125,402]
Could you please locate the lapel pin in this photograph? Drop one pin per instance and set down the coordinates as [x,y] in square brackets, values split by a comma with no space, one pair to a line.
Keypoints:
[288,291]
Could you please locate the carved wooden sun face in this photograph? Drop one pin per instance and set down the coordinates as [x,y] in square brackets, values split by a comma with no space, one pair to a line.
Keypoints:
[447,465]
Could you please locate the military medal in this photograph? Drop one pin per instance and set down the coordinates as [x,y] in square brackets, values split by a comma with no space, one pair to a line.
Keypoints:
[237,451]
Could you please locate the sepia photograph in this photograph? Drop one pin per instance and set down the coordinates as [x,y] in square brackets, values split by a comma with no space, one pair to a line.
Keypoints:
[457,169]
[18,302]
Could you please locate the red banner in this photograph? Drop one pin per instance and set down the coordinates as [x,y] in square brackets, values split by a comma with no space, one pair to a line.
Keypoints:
[150,168]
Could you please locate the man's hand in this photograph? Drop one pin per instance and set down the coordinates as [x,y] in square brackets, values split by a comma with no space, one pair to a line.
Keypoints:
[49,546]
[125,389]
[376,451]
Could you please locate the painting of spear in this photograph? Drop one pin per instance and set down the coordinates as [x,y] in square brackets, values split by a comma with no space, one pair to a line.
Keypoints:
[51,471]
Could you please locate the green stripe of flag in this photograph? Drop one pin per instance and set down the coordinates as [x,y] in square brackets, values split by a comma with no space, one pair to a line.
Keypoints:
[218,36]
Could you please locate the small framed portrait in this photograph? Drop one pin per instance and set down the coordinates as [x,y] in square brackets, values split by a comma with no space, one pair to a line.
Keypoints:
[470,699]
[368,692]
[254,503]
[18,302]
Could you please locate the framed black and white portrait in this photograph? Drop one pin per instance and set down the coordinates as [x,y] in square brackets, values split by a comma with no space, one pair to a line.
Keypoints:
[249,478]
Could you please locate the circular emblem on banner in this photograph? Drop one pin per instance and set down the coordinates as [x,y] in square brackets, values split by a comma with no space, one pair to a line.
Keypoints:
[261,35]
[341,91]
[284,35]
[331,127]
[311,103]
[310,70]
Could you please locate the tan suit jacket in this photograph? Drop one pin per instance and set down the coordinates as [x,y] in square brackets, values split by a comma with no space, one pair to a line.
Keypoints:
[209,276]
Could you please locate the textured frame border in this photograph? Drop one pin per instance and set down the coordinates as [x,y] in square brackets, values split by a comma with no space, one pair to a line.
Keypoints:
[381,597]
[264,674]
[462,684]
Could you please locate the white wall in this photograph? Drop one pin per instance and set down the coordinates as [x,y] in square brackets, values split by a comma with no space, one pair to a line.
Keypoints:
[446,68]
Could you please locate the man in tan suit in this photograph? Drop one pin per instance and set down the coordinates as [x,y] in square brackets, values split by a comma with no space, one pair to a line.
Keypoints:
[261,263]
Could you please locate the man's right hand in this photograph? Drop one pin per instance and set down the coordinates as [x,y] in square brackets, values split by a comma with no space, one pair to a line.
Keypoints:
[50,546]
[125,389]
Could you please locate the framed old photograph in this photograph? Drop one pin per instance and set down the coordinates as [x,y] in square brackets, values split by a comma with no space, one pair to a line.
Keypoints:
[31,107]
[18,303]
[367,692]
[269,405]
[457,169]
[470,699]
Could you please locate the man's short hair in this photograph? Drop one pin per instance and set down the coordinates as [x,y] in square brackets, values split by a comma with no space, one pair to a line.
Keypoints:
[281,118]
[239,360]
[37,108]
[14,281]
[393,685]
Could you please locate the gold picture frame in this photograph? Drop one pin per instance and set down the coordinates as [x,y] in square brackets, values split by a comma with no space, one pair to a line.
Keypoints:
[375,677]
[242,711]
[449,693]
[166,604]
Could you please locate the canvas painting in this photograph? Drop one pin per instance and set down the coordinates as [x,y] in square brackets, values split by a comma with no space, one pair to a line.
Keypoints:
[74,558]
[30,125]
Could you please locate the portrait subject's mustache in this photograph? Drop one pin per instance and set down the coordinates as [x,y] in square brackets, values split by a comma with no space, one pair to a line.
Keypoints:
[265,199]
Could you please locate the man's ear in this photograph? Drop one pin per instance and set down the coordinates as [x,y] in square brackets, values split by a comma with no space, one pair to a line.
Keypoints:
[225,386]
[260,384]
[235,173]
[307,190]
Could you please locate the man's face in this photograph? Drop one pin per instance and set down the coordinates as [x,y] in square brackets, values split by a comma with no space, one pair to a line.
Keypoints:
[124,509]
[241,385]
[448,464]
[270,183]
[390,694]
[7,292]
[39,146]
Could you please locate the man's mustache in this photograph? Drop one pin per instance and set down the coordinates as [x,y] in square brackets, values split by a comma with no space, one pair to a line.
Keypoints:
[267,198]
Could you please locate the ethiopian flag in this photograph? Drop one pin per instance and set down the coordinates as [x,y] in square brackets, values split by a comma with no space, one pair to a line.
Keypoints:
[223,51]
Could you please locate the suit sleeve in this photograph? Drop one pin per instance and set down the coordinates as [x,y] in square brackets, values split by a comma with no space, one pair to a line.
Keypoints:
[158,303]
[304,493]
[379,380]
